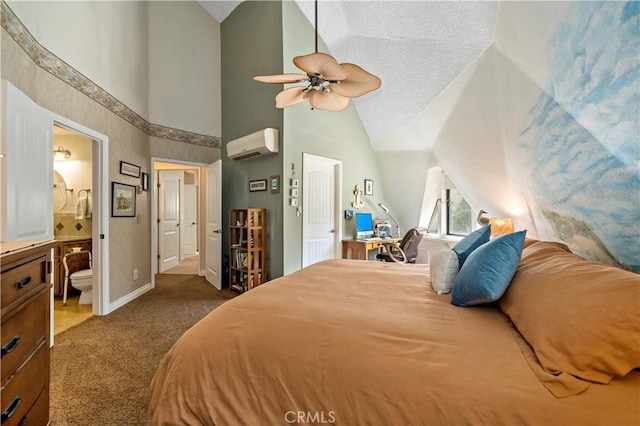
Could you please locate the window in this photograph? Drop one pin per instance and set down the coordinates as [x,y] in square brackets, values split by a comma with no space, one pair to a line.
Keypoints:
[459,217]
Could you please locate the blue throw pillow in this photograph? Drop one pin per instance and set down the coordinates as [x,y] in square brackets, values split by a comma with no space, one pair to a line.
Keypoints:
[472,241]
[488,271]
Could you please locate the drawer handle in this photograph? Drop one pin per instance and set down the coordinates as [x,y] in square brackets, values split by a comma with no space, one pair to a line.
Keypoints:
[11,345]
[23,282]
[11,408]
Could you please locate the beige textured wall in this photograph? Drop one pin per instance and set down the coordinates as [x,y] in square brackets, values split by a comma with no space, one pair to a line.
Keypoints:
[104,40]
[129,239]
[184,82]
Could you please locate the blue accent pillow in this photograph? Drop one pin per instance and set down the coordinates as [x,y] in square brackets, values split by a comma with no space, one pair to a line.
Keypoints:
[488,271]
[472,241]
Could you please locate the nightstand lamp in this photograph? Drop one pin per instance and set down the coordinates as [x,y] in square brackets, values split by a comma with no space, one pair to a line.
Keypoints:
[501,226]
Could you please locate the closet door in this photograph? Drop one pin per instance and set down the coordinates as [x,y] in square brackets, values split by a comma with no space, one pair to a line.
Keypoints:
[26,168]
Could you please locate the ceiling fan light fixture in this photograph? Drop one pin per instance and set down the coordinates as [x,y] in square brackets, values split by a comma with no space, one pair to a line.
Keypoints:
[322,71]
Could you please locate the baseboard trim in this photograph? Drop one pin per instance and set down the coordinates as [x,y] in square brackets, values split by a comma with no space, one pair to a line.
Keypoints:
[129,297]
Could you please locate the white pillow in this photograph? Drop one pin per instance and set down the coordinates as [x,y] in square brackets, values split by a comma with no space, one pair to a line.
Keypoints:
[444,266]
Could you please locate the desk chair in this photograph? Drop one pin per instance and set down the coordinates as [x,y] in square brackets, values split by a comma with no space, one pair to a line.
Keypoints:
[404,252]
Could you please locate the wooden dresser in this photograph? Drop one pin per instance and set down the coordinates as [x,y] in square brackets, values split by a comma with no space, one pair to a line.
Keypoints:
[24,334]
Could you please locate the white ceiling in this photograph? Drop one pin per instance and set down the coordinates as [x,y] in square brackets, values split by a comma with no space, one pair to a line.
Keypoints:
[417,48]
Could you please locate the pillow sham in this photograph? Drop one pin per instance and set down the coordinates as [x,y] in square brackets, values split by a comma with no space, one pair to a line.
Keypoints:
[487,272]
[579,317]
[443,267]
[472,241]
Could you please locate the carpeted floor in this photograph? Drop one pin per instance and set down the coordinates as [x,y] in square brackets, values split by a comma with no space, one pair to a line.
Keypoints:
[101,369]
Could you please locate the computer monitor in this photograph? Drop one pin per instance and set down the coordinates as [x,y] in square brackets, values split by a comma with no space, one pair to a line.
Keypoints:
[364,225]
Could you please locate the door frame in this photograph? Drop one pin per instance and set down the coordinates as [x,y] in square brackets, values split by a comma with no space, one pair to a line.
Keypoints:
[100,212]
[154,210]
[337,170]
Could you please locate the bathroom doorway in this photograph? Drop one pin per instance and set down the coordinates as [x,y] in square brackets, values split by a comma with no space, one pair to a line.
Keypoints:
[91,158]
[72,227]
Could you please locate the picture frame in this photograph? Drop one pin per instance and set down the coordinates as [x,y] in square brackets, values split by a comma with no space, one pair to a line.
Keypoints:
[275,184]
[348,214]
[144,181]
[129,169]
[294,202]
[294,192]
[123,200]
[368,187]
[257,185]
[295,183]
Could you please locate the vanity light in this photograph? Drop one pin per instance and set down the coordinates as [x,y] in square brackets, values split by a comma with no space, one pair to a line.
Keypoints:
[61,153]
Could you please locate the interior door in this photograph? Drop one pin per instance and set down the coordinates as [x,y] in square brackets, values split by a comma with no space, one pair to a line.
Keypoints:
[189,220]
[169,217]
[320,207]
[213,251]
[27,168]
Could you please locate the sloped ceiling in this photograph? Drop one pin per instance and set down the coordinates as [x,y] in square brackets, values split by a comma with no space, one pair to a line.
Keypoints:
[539,121]
[417,48]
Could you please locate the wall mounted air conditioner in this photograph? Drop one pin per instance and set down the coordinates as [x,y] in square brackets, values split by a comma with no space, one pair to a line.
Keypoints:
[258,144]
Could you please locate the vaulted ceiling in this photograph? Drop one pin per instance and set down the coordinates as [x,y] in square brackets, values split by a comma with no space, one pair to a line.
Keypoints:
[417,48]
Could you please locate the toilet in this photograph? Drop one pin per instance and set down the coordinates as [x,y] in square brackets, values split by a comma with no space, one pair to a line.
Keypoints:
[83,281]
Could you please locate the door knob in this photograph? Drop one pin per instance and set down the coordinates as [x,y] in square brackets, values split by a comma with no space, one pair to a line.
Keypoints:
[217,231]
[177,224]
[332,231]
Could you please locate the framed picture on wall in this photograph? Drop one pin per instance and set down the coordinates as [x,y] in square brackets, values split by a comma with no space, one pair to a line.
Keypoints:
[123,200]
[368,187]
[257,185]
[275,184]
[144,180]
[129,169]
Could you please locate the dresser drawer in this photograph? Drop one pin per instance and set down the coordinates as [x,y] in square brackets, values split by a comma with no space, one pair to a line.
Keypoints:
[23,279]
[22,332]
[38,415]
[20,393]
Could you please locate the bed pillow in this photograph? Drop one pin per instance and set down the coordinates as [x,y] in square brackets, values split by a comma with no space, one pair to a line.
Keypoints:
[487,272]
[472,241]
[443,267]
[580,317]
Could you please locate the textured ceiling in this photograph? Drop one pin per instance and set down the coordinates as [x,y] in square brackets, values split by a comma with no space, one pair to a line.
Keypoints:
[417,48]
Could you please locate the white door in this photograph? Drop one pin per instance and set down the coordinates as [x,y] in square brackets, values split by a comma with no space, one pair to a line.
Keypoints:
[169,217]
[321,227]
[27,168]
[213,250]
[189,220]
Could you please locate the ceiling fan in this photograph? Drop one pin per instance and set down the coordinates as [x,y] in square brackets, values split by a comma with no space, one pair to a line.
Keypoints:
[329,85]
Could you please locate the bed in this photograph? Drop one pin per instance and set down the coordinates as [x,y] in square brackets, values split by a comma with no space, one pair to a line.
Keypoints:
[354,343]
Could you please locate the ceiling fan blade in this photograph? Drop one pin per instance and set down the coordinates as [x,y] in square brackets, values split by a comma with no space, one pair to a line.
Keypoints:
[291,96]
[320,63]
[329,101]
[281,78]
[357,83]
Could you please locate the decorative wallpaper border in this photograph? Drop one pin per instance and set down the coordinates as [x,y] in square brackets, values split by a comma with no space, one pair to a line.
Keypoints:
[65,72]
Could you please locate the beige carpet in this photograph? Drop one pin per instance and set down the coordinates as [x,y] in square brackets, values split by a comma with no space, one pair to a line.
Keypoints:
[101,369]
[189,265]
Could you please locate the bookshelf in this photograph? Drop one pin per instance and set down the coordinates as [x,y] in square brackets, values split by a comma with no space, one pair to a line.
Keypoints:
[247,248]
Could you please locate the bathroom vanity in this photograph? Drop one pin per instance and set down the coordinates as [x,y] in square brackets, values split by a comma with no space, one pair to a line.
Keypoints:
[75,263]
[25,331]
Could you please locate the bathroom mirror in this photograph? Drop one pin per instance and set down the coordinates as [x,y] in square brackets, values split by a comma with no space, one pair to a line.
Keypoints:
[59,192]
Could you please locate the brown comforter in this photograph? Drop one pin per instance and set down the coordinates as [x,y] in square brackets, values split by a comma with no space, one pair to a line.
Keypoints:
[354,342]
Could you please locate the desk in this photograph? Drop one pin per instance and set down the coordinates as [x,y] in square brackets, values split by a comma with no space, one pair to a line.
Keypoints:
[359,247]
